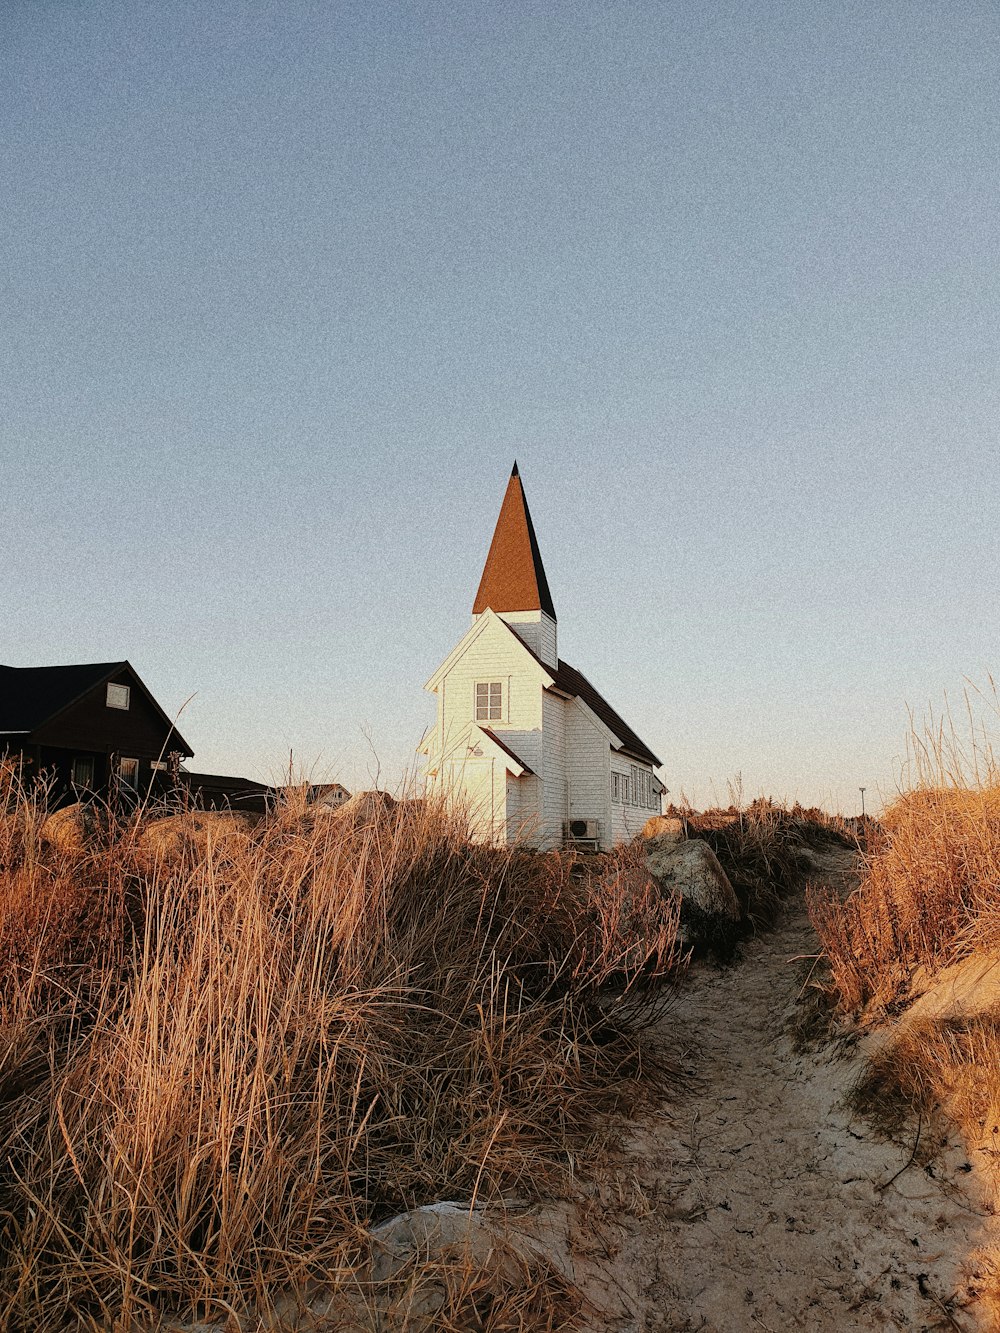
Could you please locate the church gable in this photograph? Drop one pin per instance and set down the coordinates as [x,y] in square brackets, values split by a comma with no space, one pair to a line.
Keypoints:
[492,679]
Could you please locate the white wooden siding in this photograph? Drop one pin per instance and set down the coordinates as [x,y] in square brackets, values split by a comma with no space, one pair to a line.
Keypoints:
[495,655]
[538,630]
[561,740]
[481,787]
[627,818]
[554,808]
[588,769]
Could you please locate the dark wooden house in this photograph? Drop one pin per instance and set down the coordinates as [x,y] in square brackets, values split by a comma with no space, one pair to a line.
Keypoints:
[219,791]
[91,729]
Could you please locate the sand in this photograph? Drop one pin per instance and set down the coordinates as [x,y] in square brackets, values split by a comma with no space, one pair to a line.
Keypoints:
[754,1200]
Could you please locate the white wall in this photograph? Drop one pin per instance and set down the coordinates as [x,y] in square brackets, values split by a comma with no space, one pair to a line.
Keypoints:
[588,770]
[627,820]
[538,630]
[481,785]
[554,803]
[494,655]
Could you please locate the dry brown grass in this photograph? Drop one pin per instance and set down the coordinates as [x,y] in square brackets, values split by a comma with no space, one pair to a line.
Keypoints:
[929,886]
[951,1063]
[222,1059]
[929,897]
[763,850]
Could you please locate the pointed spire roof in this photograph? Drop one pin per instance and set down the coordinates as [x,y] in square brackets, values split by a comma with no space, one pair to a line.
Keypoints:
[514,576]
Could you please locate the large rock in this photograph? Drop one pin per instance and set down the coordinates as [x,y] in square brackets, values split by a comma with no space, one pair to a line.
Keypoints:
[710,910]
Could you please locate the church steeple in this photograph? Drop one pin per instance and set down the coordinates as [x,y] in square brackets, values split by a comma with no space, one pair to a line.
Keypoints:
[514,577]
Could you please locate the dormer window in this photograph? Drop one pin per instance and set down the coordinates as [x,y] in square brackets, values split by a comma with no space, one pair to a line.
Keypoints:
[489,701]
[118,696]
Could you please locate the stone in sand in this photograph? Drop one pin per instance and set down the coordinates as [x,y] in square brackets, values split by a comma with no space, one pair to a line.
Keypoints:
[710,910]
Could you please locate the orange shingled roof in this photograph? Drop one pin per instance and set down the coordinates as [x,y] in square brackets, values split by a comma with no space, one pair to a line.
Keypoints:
[514,577]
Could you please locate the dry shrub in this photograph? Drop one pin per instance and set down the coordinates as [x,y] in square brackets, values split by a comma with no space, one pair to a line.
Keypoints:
[453,1292]
[928,898]
[928,892]
[222,1060]
[928,895]
[951,1063]
[761,849]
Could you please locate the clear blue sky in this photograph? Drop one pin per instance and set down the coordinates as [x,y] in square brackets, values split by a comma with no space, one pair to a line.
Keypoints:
[288,284]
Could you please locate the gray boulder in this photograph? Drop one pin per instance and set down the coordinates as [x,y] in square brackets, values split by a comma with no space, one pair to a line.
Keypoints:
[710,910]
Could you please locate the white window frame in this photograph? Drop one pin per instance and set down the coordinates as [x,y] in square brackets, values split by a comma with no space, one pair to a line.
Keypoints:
[118,696]
[616,787]
[492,709]
[130,782]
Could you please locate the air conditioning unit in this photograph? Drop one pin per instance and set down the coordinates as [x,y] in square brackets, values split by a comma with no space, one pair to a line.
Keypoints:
[582,830]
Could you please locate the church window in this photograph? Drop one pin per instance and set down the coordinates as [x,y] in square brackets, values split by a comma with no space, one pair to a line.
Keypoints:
[489,701]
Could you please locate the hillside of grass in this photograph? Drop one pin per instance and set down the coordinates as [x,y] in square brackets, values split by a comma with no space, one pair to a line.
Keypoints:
[913,959]
[230,1048]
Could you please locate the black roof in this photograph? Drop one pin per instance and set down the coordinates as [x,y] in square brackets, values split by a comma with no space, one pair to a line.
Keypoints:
[223,782]
[575,682]
[30,696]
[571,681]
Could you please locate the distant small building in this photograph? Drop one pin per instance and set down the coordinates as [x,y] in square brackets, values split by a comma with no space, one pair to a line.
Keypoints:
[328,794]
[91,728]
[522,738]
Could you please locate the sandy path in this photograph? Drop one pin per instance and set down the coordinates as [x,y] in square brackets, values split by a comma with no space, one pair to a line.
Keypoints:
[754,1201]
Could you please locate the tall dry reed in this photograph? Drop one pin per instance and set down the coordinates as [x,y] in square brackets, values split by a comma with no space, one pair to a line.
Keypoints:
[930,886]
[228,1048]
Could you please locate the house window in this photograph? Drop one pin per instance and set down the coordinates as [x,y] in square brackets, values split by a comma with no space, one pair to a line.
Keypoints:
[128,773]
[489,701]
[616,793]
[82,774]
[118,696]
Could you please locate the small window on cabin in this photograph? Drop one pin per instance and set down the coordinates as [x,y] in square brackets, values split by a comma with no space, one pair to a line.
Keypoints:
[83,772]
[128,773]
[118,696]
[615,786]
[489,701]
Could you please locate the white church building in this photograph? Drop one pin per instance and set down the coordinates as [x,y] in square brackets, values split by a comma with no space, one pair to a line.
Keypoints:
[522,738]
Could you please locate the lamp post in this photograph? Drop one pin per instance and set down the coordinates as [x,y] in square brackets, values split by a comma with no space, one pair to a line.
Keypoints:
[862,791]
